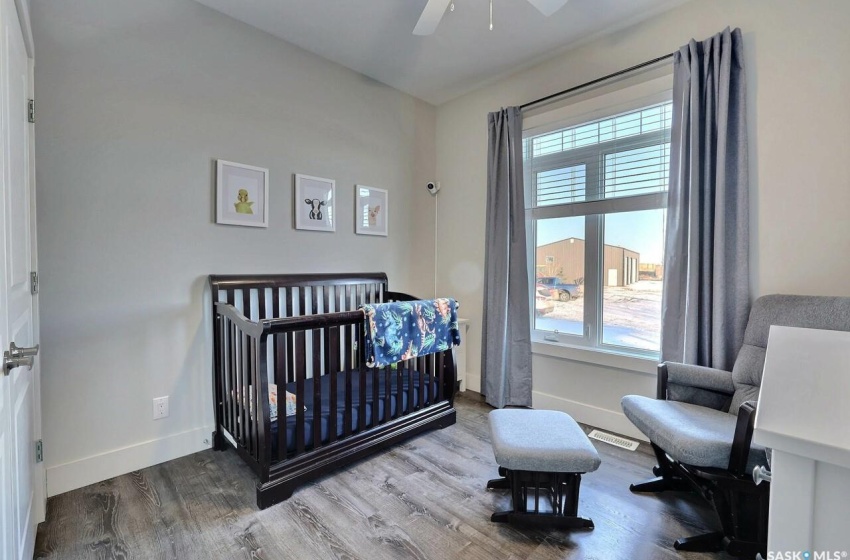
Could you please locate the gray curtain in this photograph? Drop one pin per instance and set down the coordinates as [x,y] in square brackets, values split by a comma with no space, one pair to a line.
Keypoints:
[706,265]
[506,341]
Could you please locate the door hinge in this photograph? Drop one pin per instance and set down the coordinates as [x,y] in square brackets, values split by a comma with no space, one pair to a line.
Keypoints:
[31,110]
[39,452]
[34,283]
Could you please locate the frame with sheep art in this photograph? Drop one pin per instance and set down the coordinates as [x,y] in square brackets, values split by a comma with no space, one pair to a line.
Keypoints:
[371,210]
[315,203]
[242,194]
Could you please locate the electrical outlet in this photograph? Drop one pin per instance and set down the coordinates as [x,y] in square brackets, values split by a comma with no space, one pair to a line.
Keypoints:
[160,407]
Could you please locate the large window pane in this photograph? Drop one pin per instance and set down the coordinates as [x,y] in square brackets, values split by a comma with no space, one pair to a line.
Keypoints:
[559,275]
[632,277]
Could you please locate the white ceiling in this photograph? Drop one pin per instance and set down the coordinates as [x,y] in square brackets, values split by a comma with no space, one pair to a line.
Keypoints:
[374,37]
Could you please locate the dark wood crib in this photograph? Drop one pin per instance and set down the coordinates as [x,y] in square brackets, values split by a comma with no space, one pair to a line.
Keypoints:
[304,334]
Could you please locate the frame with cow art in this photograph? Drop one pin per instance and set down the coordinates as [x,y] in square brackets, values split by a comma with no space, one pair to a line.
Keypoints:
[371,210]
[315,207]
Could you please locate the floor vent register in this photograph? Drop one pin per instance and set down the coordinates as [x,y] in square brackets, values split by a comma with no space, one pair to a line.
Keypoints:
[611,439]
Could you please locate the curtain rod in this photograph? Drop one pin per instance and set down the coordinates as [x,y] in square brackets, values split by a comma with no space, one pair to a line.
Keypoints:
[543,100]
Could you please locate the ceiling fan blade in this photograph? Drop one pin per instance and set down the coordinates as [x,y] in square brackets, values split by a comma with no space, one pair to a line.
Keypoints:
[548,7]
[431,16]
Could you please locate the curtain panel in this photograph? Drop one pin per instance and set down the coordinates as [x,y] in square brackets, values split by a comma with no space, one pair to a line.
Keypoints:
[506,340]
[706,267]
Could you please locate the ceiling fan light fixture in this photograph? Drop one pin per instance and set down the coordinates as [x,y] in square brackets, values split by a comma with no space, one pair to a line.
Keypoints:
[435,9]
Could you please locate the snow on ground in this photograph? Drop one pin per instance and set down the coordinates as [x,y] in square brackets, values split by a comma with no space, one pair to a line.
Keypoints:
[631,315]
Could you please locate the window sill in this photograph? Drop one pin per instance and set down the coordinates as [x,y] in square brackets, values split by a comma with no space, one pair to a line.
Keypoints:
[595,356]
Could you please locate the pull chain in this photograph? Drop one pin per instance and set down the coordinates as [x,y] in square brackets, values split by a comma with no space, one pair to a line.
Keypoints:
[491,15]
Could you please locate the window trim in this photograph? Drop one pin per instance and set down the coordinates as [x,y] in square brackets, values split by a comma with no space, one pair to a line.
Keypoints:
[621,101]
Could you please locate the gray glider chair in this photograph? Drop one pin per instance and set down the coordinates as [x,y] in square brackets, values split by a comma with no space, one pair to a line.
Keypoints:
[700,425]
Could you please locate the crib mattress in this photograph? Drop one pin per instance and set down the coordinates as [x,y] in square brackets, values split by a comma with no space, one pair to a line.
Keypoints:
[395,395]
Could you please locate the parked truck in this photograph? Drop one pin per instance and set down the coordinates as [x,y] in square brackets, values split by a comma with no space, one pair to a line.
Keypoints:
[562,290]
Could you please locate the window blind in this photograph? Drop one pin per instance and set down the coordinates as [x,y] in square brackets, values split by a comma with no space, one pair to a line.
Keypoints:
[618,156]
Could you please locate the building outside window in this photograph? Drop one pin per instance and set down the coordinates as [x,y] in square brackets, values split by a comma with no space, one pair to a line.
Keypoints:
[597,194]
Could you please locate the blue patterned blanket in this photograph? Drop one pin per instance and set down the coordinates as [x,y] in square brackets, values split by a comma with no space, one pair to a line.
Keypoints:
[407,329]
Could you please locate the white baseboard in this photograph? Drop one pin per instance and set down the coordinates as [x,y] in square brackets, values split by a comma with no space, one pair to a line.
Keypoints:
[602,418]
[82,472]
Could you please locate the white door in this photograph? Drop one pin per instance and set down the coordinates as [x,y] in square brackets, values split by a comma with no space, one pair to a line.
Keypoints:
[20,487]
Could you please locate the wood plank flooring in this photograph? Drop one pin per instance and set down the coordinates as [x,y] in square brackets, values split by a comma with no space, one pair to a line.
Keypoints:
[424,499]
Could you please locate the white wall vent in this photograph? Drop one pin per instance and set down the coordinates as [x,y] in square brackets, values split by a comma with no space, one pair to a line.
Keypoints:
[613,440]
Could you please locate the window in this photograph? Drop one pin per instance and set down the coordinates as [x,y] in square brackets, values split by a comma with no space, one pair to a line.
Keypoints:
[597,197]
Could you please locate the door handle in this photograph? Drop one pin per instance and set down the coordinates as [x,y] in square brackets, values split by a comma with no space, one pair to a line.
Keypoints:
[17,356]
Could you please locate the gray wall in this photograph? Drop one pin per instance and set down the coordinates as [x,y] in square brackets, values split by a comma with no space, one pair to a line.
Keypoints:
[135,102]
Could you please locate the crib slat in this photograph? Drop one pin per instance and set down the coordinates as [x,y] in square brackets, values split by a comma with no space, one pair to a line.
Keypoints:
[300,352]
[231,381]
[254,379]
[263,438]
[376,400]
[422,371]
[239,303]
[250,383]
[317,389]
[331,349]
[348,334]
[225,371]
[284,348]
[261,304]
[441,365]
[282,448]
[411,363]
[241,389]
[361,408]
[399,390]
[278,366]
[388,408]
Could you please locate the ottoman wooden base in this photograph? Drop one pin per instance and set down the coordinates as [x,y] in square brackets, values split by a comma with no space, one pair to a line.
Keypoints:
[541,499]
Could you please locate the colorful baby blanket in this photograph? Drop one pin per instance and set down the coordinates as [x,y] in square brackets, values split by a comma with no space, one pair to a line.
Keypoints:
[407,329]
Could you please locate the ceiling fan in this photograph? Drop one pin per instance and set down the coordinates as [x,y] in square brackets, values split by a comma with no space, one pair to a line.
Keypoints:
[434,10]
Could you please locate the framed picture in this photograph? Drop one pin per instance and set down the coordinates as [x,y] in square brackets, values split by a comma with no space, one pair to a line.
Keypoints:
[242,194]
[315,206]
[371,210]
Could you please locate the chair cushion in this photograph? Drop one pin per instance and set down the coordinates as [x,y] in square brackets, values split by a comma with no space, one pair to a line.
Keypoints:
[540,440]
[691,434]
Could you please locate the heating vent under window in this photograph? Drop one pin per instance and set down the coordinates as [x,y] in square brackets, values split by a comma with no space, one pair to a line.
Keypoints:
[611,439]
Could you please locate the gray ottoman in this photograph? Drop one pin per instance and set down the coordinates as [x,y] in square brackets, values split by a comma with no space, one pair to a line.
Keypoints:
[541,454]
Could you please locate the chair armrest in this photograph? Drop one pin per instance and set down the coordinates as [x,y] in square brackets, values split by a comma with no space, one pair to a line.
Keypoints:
[743,438]
[698,377]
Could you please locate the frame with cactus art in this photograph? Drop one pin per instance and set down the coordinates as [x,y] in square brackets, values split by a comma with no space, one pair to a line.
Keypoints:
[242,194]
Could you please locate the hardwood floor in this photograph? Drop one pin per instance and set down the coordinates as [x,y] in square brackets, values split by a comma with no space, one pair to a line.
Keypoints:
[424,499]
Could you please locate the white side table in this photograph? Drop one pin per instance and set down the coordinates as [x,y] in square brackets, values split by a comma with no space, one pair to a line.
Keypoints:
[803,416]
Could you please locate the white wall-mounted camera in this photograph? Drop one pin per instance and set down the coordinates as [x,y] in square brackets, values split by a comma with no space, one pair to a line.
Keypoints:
[433,187]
